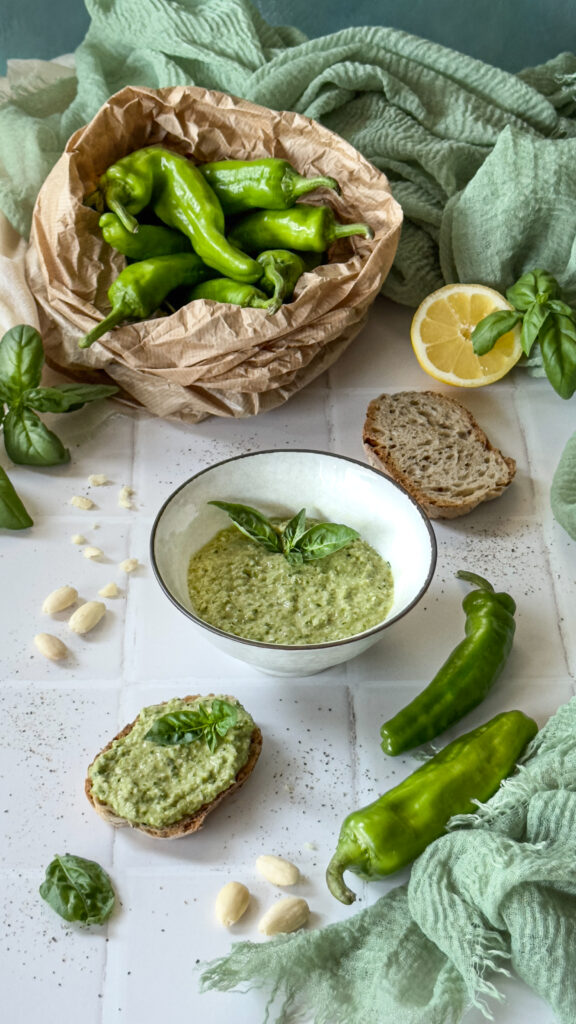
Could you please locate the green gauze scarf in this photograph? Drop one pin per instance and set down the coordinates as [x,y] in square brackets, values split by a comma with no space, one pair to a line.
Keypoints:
[429,117]
[499,889]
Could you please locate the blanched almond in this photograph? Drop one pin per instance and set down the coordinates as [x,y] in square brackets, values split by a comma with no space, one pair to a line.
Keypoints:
[79,501]
[129,564]
[59,599]
[97,479]
[50,646]
[87,616]
[287,915]
[125,497]
[231,903]
[110,590]
[77,538]
[92,552]
[277,870]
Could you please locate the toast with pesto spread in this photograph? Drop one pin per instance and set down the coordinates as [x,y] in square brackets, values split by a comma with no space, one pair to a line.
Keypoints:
[184,767]
[432,445]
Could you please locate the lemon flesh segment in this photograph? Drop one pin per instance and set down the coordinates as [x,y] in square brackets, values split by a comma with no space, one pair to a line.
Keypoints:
[441,336]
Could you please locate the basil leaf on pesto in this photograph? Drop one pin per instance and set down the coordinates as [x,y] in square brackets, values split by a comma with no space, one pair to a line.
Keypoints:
[251,522]
[293,531]
[295,541]
[78,889]
[191,724]
[325,538]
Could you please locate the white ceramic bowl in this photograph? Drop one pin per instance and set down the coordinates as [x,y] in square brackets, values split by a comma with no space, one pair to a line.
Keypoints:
[331,488]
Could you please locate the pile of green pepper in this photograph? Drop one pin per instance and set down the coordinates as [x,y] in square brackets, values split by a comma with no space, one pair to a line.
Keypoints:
[228,231]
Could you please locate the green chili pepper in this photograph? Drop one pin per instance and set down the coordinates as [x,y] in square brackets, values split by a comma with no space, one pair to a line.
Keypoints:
[224,289]
[306,227]
[270,184]
[281,271]
[149,240]
[141,287]
[465,677]
[390,833]
[182,198]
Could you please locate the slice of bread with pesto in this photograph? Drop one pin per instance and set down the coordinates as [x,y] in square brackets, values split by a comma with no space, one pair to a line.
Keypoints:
[433,446]
[170,767]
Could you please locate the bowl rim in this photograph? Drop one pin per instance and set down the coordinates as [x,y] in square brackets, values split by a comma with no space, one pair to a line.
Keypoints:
[259,644]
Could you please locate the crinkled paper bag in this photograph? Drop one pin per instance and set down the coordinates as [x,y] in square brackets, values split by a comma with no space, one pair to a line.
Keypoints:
[207,357]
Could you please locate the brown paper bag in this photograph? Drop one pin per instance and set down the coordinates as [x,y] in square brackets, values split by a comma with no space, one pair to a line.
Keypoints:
[206,358]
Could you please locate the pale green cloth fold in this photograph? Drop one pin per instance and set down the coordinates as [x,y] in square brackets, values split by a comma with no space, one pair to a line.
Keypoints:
[496,894]
[426,115]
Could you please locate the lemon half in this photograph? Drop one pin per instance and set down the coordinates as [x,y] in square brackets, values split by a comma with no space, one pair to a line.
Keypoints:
[441,331]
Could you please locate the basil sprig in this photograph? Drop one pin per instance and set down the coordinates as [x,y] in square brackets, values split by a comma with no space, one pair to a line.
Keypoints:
[546,320]
[78,889]
[297,543]
[207,722]
[27,440]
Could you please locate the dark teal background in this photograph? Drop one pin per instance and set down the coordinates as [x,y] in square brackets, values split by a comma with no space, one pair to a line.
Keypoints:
[512,34]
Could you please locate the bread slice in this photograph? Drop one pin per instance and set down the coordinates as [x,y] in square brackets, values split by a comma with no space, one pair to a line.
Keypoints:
[193,822]
[434,447]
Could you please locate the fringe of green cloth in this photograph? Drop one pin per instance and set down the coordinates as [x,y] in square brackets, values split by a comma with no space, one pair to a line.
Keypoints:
[496,894]
[481,160]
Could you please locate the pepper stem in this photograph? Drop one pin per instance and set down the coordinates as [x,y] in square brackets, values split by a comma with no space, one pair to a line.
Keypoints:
[472,577]
[300,185]
[126,219]
[335,878]
[345,230]
[112,320]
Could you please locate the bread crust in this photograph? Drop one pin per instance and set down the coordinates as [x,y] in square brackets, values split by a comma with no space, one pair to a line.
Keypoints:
[382,458]
[193,822]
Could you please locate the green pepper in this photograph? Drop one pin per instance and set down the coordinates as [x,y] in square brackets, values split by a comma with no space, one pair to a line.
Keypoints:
[149,240]
[270,183]
[390,833]
[141,287]
[281,271]
[465,677]
[224,289]
[182,198]
[306,227]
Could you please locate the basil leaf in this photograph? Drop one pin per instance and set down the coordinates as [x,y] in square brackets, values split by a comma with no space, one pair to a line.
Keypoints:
[535,286]
[487,331]
[323,539]
[13,515]
[21,361]
[29,443]
[78,889]
[534,317]
[191,724]
[557,339]
[252,523]
[293,531]
[225,714]
[65,397]
[561,307]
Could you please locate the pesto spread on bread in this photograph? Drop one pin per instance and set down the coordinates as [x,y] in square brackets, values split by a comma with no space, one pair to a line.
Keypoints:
[156,785]
[243,588]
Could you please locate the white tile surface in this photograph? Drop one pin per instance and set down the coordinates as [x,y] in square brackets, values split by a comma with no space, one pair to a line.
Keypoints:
[321,754]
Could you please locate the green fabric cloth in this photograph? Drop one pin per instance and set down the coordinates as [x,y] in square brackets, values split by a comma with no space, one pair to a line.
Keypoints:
[430,117]
[495,894]
[563,490]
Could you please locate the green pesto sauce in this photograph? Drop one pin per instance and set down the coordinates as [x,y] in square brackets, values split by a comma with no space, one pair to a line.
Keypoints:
[238,586]
[153,785]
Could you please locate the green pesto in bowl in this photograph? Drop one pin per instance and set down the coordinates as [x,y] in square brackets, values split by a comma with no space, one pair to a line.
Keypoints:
[241,588]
